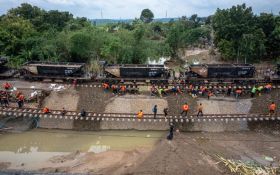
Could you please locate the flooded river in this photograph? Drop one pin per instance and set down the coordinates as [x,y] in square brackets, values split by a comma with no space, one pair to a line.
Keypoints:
[32,147]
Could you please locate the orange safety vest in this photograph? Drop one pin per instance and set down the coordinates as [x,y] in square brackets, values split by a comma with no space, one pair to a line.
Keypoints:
[140,115]
[105,85]
[185,107]
[268,86]
[21,97]
[272,107]
[46,110]
[7,85]
[18,94]
[122,88]
[238,91]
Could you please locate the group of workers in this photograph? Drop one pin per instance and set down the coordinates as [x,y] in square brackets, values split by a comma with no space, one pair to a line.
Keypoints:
[185,110]
[117,89]
[202,90]
[6,94]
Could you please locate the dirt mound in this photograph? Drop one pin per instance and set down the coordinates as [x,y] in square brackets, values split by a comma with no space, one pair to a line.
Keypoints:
[93,99]
[58,99]
[260,104]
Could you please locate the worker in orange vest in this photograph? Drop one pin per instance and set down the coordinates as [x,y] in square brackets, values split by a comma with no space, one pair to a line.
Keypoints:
[268,87]
[185,108]
[123,89]
[18,93]
[20,100]
[46,110]
[238,93]
[272,108]
[105,87]
[7,86]
[140,114]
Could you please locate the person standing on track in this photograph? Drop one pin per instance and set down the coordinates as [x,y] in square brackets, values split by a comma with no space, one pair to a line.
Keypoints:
[155,111]
[272,108]
[63,112]
[200,110]
[140,114]
[171,129]
[185,109]
[20,100]
[165,111]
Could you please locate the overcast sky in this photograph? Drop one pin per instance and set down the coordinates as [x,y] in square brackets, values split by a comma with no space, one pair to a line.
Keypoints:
[124,9]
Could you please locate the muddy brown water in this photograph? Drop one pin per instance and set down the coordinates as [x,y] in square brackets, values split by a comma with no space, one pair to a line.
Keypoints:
[37,146]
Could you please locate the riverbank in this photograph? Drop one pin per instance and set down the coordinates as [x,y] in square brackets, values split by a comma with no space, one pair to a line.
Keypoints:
[136,152]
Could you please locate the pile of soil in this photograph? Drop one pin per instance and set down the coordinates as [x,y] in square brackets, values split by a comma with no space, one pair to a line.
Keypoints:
[93,99]
[58,99]
[261,104]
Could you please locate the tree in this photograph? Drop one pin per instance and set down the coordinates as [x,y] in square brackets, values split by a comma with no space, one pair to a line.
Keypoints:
[80,47]
[147,16]
[237,29]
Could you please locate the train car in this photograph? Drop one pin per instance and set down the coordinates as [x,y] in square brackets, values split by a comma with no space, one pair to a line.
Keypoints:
[3,61]
[5,71]
[221,71]
[53,70]
[135,71]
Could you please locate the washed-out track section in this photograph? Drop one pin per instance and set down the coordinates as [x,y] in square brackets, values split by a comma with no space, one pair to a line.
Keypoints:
[119,117]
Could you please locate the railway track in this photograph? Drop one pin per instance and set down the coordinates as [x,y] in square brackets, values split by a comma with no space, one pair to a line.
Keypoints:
[128,117]
[209,86]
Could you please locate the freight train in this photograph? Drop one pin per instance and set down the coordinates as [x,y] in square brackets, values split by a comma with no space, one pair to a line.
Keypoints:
[221,71]
[48,70]
[136,71]
[70,71]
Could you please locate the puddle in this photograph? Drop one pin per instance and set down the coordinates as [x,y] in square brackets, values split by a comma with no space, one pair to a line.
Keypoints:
[32,147]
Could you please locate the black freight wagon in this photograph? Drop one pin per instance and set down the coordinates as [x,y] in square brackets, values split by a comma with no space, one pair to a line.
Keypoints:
[136,71]
[52,70]
[3,68]
[222,71]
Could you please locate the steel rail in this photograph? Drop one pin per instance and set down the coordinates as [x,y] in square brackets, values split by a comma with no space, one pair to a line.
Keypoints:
[93,116]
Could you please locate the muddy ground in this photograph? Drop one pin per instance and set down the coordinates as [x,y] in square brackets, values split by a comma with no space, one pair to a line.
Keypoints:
[261,103]
[187,153]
